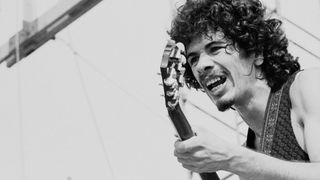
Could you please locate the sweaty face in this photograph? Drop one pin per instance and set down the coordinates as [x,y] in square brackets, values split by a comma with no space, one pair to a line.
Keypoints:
[222,71]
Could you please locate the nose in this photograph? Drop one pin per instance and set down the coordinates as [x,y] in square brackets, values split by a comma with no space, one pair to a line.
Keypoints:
[205,63]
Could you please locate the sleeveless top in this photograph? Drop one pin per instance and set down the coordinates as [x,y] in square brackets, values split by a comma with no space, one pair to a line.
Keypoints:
[278,139]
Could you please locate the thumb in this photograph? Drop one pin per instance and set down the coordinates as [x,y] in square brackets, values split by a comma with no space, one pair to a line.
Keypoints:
[186,145]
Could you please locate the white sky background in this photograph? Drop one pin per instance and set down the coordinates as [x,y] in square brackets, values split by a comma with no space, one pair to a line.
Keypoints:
[121,43]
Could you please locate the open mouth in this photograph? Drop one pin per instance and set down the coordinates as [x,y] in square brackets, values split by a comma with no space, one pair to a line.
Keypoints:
[216,82]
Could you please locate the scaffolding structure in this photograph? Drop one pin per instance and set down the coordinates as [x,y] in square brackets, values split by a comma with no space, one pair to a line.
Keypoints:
[40,30]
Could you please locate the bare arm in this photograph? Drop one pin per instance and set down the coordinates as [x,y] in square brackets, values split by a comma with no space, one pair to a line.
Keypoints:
[208,153]
[252,165]
[305,97]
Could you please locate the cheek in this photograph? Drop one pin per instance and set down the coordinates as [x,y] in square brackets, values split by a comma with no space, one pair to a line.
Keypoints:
[237,75]
[242,68]
[241,62]
[195,74]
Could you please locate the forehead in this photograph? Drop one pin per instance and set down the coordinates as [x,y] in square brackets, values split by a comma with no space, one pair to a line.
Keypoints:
[198,43]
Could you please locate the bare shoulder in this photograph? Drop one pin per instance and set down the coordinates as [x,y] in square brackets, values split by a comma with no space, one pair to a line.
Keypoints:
[304,91]
[305,98]
[307,77]
[306,82]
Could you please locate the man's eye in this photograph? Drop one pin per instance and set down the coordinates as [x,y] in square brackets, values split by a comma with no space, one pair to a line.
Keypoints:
[215,49]
[193,60]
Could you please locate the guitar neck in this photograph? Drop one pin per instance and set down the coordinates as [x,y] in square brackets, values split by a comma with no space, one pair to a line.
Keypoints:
[180,122]
[185,132]
[172,70]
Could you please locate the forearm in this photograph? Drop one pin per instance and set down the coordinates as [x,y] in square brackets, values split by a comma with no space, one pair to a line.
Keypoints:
[252,165]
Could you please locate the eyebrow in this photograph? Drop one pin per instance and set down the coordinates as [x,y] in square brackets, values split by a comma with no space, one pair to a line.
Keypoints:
[206,47]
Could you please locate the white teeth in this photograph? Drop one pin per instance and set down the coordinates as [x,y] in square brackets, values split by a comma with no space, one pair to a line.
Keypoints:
[217,87]
[213,80]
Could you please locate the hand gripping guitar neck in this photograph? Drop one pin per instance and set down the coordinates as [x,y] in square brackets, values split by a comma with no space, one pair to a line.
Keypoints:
[172,71]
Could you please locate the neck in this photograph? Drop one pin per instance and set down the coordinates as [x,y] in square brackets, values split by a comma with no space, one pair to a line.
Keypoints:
[253,105]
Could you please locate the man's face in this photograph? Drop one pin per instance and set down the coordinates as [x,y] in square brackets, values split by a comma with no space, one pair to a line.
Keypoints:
[224,73]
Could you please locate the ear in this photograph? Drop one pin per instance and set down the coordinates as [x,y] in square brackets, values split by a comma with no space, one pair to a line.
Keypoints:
[258,60]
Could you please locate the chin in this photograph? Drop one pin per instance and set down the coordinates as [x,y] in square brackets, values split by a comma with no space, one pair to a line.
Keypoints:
[224,105]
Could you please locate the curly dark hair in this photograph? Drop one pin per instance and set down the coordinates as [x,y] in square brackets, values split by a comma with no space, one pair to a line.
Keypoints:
[243,23]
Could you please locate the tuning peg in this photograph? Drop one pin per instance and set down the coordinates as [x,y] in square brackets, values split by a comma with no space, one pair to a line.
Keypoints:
[170,93]
[183,60]
[182,71]
[181,80]
[160,84]
[176,95]
[162,95]
[175,54]
[181,47]
[170,81]
[159,74]
[180,68]
[172,105]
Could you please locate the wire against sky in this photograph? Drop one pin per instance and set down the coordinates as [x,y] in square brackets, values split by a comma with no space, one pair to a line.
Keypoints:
[91,110]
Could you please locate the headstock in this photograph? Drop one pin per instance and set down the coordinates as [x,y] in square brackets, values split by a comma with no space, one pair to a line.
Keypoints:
[172,71]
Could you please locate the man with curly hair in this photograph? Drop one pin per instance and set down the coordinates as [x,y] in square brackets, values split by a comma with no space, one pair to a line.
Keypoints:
[240,60]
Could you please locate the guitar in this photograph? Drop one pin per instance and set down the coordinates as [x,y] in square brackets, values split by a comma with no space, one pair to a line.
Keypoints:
[172,70]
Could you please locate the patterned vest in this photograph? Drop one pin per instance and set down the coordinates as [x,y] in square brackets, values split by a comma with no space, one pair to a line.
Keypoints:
[278,139]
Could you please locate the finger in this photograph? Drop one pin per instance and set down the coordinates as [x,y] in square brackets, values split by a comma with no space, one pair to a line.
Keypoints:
[192,158]
[187,146]
[196,167]
[180,147]
[188,161]
[184,155]
[199,155]
[191,167]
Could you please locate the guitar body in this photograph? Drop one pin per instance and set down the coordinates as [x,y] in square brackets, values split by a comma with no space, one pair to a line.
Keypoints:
[172,77]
